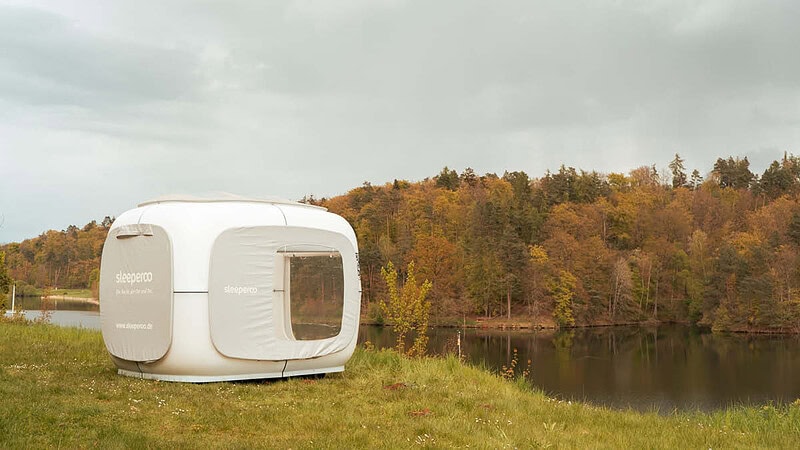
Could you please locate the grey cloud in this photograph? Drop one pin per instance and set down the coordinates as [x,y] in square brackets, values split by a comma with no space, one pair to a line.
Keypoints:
[297,97]
[47,60]
[534,67]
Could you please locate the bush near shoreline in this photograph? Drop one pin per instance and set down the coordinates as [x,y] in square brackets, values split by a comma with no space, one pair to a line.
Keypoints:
[60,389]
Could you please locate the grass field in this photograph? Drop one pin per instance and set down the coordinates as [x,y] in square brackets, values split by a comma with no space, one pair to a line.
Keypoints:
[75,293]
[56,293]
[58,388]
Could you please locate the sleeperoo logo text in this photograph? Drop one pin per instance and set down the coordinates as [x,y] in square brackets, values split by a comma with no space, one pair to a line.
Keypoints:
[239,290]
[132,278]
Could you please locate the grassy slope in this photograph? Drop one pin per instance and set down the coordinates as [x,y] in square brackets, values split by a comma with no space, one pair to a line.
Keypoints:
[58,388]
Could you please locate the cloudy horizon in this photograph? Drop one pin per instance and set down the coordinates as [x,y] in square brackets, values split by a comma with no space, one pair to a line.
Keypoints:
[106,104]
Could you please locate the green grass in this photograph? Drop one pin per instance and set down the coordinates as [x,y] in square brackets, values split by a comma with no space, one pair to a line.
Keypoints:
[58,388]
[77,293]
[38,292]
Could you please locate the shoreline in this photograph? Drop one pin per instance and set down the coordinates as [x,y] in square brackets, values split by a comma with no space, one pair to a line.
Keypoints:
[68,298]
[493,324]
[525,324]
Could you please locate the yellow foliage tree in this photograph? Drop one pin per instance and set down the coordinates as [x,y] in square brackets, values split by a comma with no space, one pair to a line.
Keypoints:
[563,290]
[407,308]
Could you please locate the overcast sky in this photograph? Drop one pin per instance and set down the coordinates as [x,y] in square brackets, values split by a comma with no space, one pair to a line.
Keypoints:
[104,104]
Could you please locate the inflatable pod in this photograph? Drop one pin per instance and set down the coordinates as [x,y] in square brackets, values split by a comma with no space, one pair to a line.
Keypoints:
[214,289]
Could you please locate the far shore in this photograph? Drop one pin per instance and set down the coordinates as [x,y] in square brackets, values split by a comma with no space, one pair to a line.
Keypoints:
[90,300]
[523,323]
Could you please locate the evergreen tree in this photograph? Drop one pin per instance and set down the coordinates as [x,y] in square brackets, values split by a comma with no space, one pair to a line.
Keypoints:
[468,176]
[781,178]
[447,179]
[696,179]
[794,228]
[678,172]
[734,173]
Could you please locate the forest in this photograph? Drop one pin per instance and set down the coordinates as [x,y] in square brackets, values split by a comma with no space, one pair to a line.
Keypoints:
[56,259]
[570,248]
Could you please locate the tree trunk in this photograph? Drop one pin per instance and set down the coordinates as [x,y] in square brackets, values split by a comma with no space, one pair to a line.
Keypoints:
[649,273]
[508,301]
[369,284]
[655,299]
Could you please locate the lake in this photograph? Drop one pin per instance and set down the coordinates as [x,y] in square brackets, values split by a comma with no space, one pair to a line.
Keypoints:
[68,313]
[659,368]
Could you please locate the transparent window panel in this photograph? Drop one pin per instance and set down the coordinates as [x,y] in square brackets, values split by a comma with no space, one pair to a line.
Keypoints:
[316,294]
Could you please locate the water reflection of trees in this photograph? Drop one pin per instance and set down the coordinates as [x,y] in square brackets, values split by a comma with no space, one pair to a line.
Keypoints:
[664,367]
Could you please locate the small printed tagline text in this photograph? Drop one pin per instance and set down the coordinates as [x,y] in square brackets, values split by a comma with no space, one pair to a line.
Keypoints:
[134,326]
[133,291]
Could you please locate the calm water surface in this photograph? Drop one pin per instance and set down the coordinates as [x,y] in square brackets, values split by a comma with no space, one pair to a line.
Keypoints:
[664,368]
[67,313]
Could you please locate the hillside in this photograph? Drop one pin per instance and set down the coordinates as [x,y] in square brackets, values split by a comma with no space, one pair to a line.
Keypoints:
[568,248]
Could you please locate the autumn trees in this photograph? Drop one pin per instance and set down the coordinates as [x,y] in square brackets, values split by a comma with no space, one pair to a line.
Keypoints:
[5,280]
[66,259]
[577,247]
[569,248]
